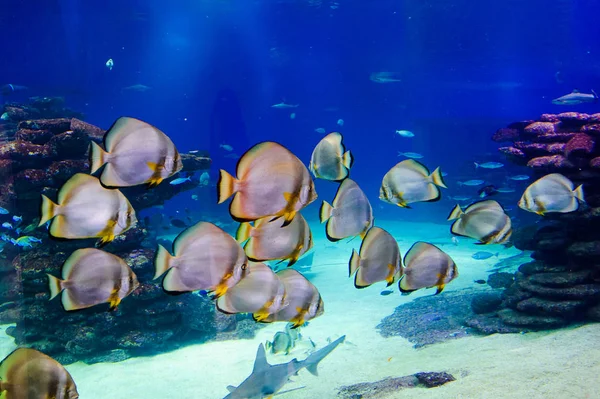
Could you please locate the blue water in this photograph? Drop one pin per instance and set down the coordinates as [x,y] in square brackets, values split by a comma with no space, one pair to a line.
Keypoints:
[214,68]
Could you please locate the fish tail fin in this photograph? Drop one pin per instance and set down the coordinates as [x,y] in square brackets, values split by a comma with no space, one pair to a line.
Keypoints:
[162,262]
[325,211]
[476,165]
[456,213]
[595,96]
[55,285]
[225,186]
[437,179]
[579,193]
[49,209]
[354,263]
[347,159]
[243,232]
[97,156]
[312,361]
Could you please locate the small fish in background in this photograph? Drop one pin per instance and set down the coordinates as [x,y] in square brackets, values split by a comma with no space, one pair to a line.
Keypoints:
[489,165]
[480,281]
[386,292]
[293,115]
[180,180]
[180,224]
[204,179]
[487,191]
[484,221]
[259,292]
[26,241]
[86,209]
[472,183]
[506,190]
[304,301]
[405,133]
[459,198]
[519,177]
[139,88]
[455,241]
[330,160]
[10,88]
[90,277]
[110,64]
[5,116]
[270,240]
[378,259]
[51,379]
[193,151]
[283,105]
[226,147]
[271,181]
[136,153]
[426,266]
[576,98]
[552,193]
[195,197]
[483,255]
[411,155]
[340,122]
[410,181]
[17,219]
[383,77]
[320,130]
[350,213]
[205,258]
[282,343]
[7,225]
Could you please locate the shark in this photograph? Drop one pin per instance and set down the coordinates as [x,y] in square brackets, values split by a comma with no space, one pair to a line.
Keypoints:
[576,97]
[284,105]
[267,380]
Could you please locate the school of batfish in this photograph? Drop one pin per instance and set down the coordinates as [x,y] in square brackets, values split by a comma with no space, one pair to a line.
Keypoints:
[270,188]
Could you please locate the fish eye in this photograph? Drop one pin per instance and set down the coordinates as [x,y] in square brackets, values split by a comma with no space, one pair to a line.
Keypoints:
[244,266]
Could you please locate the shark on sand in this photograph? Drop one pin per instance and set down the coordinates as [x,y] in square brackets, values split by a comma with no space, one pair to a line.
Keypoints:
[267,380]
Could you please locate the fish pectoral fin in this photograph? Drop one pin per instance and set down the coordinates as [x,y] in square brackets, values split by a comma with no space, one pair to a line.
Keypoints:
[298,320]
[222,287]
[390,277]
[107,234]
[114,299]
[156,178]
[263,313]
[440,288]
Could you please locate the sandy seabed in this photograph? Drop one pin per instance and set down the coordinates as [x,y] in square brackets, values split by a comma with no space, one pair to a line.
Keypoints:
[557,364]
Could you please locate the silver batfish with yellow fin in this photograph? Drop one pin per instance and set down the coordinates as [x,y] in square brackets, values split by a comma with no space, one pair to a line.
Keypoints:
[552,193]
[86,209]
[426,266]
[410,181]
[260,292]
[272,240]
[271,181]
[91,277]
[304,301]
[136,153]
[205,258]
[30,374]
[330,160]
[484,221]
[349,215]
[378,259]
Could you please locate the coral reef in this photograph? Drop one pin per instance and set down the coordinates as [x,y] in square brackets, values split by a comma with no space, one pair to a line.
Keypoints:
[561,285]
[365,390]
[38,156]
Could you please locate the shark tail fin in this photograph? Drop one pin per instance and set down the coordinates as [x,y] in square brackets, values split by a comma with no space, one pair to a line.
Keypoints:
[595,96]
[312,361]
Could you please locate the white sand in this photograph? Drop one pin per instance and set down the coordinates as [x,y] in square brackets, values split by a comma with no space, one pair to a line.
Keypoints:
[559,364]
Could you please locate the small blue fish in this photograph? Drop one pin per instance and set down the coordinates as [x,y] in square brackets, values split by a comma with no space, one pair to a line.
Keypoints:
[3,211]
[506,190]
[17,218]
[519,177]
[180,180]
[386,292]
[320,130]
[489,165]
[482,255]
[471,183]
[460,198]
[340,122]
[405,133]
[411,155]
[7,225]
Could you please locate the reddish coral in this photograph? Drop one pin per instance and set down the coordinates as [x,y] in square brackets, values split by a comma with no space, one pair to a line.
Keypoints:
[541,128]
[581,145]
[551,163]
[549,118]
[505,134]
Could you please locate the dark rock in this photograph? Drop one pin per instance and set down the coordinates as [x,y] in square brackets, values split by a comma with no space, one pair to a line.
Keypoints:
[377,389]
[490,323]
[521,125]
[55,126]
[540,267]
[595,163]
[531,322]
[585,251]
[69,145]
[560,280]
[561,137]
[593,129]
[506,134]
[549,118]
[514,155]
[540,149]
[61,171]
[523,237]
[93,132]
[540,128]
[500,280]
[550,163]
[577,292]
[486,302]
[431,380]
[513,295]
[21,112]
[34,136]
[581,145]
[573,118]
[564,309]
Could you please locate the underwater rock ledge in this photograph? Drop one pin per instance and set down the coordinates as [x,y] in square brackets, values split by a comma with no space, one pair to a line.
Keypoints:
[36,157]
[366,390]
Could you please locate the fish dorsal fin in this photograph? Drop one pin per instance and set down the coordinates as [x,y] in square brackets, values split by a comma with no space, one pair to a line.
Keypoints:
[261,359]
[575,91]
[231,388]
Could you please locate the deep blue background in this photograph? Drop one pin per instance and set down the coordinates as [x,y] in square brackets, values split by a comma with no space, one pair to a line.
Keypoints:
[467,67]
